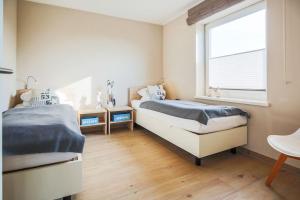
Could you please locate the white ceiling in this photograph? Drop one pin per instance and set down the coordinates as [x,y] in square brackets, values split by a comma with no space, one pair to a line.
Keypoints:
[152,11]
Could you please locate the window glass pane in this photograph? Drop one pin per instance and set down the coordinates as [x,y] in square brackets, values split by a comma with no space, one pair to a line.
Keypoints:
[240,71]
[241,35]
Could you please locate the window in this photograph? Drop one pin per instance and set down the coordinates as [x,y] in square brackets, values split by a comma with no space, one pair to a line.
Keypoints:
[235,48]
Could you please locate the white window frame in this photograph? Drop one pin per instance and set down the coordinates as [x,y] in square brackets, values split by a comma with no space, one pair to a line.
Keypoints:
[237,95]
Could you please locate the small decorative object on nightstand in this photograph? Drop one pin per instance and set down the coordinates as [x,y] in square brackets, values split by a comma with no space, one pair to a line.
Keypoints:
[92,120]
[118,115]
[111,101]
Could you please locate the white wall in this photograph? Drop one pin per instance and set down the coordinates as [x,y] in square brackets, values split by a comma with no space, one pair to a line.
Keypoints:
[8,42]
[283,116]
[1,32]
[2,109]
[7,82]
[77,51]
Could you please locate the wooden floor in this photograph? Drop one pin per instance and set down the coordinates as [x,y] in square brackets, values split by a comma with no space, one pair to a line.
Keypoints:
[139,165]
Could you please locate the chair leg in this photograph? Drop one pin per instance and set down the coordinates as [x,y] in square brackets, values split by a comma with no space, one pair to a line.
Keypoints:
[276,168]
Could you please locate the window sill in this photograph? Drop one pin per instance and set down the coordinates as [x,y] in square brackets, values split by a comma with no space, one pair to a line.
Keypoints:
[239,101]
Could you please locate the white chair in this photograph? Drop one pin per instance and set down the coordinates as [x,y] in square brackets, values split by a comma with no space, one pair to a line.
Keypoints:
[288,146]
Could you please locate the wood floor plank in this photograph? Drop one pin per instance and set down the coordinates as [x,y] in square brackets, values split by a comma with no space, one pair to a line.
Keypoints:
[139,165]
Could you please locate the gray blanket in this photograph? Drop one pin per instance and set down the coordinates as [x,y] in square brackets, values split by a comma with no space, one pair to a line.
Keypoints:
[192,110]
[44,129]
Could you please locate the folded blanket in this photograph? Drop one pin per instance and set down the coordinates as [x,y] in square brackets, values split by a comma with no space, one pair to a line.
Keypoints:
[44,129]
[192,110]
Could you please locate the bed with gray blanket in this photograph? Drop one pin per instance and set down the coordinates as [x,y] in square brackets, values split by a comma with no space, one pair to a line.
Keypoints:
[39,136]
[43,129]
[197,128]
[192,116]
[193,111]
[41,152]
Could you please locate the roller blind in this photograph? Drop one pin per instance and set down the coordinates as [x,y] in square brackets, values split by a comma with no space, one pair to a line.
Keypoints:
[236,53]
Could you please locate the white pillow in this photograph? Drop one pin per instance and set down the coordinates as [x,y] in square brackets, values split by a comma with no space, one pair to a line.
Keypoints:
[26,96]
[144,94]
[26,103]
[156,92]
[146,98]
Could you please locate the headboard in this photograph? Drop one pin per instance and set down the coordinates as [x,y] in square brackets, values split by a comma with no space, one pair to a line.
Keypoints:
[15,100]
[133,95]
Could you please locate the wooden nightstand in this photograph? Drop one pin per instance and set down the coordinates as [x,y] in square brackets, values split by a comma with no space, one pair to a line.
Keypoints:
[101,113]
[119,109]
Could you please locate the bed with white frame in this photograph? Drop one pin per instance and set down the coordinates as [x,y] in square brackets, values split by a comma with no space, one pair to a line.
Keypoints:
[51,181]
[199,145]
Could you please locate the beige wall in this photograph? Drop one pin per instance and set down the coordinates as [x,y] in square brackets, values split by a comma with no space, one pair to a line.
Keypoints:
[77,51]
[283,116]
[7,82]
[179,60]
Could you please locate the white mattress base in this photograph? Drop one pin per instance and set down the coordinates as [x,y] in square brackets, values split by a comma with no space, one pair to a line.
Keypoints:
[199,145]
[47,182]
[18,162]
